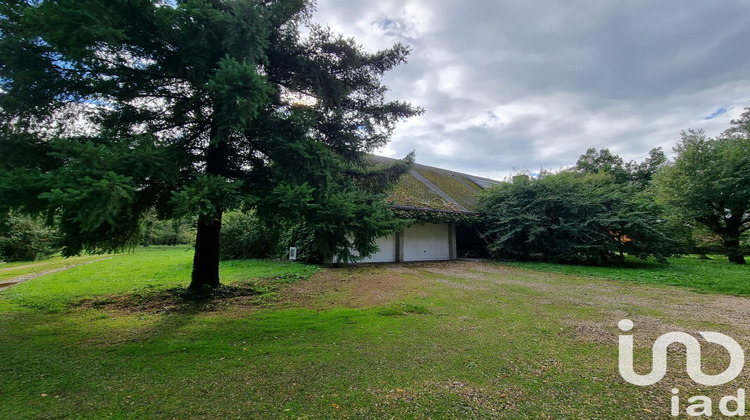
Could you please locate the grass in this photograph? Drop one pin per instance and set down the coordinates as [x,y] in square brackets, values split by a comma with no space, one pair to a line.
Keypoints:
[716,275]
[19,269]
[456,340]
[152,269]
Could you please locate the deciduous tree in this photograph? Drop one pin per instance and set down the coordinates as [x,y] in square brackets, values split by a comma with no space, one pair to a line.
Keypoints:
[571,217]
[709,182]
[637,174]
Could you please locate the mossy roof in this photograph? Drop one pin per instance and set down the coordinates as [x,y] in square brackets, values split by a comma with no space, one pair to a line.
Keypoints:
[430,188]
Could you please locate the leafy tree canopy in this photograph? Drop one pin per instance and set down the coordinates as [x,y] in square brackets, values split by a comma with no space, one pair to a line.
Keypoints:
[571,217]
[638,174]
[110,108]
[709,182]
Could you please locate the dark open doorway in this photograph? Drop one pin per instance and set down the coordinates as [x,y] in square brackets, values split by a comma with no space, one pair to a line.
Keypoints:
[469,243]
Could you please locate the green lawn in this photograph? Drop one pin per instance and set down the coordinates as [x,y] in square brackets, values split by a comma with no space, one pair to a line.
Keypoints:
[19,269]
[442,340]
[145,269]
[716,275]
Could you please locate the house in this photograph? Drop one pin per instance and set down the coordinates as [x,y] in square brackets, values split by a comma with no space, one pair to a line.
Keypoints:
[443,203]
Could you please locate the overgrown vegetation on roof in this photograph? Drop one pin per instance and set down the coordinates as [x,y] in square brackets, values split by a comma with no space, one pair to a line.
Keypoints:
[454,186]
[412,192]
[420,216]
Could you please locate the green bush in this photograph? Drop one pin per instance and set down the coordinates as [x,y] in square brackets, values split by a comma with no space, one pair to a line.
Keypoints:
[26,238]
[569,217]
[168,232]
[244,236]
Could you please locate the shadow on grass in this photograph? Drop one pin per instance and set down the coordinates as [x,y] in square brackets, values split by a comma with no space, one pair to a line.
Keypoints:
[179,299]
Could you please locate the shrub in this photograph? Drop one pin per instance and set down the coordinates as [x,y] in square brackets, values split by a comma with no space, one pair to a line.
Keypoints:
[570,217]
[26,238]
[244,236]
[168,232]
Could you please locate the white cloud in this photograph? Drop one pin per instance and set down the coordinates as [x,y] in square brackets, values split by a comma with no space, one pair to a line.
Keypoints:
[525,85]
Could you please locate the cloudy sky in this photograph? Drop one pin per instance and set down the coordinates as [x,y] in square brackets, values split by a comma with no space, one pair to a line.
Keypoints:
[519,85]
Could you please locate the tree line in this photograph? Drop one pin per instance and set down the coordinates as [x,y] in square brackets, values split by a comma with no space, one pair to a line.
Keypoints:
[603,207]
[28,237]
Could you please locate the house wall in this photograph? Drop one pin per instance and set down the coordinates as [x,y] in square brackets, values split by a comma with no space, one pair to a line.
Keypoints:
[387,252]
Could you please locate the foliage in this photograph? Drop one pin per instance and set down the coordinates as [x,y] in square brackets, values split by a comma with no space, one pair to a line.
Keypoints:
[192,108]
[26,238]
[171,232]
[244,236]
[351,215]
[634,173]
[96,207]
[689,236]
[709,183]
[643,173]
[155,231]
[571,217]
[594,161]
[420,216]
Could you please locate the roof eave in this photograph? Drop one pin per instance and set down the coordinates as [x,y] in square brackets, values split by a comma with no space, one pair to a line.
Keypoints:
[413,208]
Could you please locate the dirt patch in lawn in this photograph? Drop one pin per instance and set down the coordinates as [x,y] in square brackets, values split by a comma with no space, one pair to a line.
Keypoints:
[652,308]
[355,287]
[474,401]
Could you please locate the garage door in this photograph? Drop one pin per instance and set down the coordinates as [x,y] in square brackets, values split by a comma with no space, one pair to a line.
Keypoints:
[428,242]
[387,252]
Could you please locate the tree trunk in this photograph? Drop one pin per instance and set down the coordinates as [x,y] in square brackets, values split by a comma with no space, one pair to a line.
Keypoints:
[731,237]
[737,259]
[206,258]
[733,249]
[147,235]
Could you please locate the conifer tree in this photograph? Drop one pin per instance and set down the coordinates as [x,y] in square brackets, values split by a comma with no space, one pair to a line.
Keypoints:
[111,108]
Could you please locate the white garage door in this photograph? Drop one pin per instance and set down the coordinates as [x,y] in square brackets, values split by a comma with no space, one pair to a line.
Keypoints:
[428,242]
[387,252]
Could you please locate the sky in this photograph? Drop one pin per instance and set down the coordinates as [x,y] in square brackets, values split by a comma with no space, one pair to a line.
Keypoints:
[519,85]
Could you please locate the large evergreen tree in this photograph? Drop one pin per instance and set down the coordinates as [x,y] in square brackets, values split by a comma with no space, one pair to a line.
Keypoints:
[110,108]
